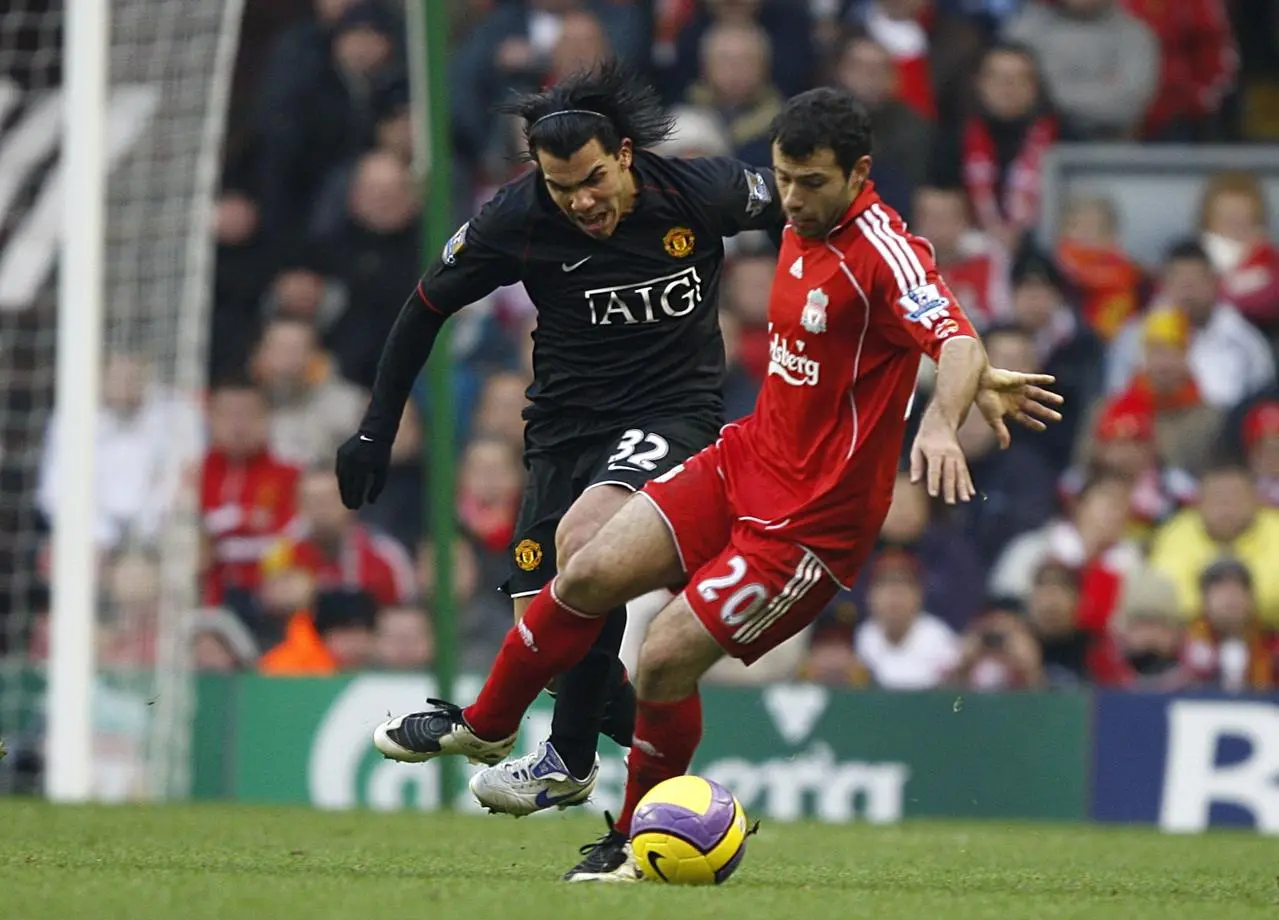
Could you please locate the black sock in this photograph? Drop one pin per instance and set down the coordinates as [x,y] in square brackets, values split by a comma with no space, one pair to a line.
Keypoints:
[619,714]
[581,696]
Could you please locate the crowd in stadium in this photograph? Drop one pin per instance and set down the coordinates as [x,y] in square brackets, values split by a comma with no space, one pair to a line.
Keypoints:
[1133,545]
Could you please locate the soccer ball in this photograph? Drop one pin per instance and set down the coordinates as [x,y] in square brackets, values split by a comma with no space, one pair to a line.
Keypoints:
[689,831]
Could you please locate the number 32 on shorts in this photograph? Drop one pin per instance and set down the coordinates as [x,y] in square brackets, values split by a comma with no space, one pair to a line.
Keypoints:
[655,448]
[739,605]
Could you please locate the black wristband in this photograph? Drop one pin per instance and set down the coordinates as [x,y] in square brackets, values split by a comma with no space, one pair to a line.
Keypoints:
[406,350]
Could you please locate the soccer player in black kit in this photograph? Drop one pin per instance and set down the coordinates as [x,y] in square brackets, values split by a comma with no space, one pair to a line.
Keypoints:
[621,251]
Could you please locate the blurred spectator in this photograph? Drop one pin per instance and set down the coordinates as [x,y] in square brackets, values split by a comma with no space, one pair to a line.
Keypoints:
[1185,428]
[129,625]
[1092,539]
[1229,357]
[404,639]
[381,250]
[789,32]
[1065,347]
[1234,229]
[339,552]
[284,592]
[897,27]
[248,496]
[949,569]
[303,289]
[832,661]
[697,133]
[1052,613]
[1261,449]
[999,652]
[1100,64]
[490,482]
[512,47]
[735,85]
[1108,280]
[582,45]
[499,413]
[903,138]
[337,636]
[901,645]
[243,272]
[1230,519]
[976,271]
[1142,649]
[747,281]
[220,642]
[317,108]
[741,389]
[1227,649]
[483,612]
[312,409]
[997,152]
[1199,63]
[1017,489]
[144,438]
[399,510]
[1123,445]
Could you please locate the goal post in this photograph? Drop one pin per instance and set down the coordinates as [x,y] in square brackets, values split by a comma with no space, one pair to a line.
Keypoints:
[112,116]
[73,619]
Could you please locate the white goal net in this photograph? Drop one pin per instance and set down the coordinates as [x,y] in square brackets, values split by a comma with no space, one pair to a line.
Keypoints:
[170,71]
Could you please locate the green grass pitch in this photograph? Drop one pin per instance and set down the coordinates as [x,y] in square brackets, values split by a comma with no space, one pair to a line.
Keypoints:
[230,862]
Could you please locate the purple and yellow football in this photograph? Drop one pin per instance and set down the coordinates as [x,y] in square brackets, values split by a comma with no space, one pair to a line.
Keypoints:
[689,831]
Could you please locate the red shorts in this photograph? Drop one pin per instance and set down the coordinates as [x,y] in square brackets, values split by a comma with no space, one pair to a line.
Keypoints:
[750,588]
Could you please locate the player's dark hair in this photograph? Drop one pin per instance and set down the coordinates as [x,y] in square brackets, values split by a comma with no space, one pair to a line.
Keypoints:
[608,103]
[1187,251]
[823,117]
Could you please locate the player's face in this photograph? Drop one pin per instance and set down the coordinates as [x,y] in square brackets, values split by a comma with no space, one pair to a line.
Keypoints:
[593,188]
[814,191]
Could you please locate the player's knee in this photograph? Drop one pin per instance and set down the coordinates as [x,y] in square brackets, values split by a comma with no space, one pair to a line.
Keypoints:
[665,672]
[587,582]
[569,542]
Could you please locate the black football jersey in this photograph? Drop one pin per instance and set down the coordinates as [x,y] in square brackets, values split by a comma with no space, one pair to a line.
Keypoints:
[627,327]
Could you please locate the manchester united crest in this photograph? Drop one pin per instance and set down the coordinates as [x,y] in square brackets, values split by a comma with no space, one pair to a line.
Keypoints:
[528,555]
[678,242]
[814,316]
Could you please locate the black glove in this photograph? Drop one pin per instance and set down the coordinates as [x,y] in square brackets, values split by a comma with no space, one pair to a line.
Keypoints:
[361,467]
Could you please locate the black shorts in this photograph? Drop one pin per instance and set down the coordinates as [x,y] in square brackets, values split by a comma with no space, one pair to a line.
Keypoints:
[628,456]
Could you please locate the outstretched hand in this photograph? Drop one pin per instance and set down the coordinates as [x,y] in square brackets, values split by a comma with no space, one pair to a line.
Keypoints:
[1020,396]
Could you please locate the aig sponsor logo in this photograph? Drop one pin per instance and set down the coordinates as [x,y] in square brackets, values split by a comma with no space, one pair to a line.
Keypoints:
[668,297]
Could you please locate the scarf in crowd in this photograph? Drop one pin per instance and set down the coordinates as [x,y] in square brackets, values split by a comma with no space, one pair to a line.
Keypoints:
[1019,203]
[1109,281]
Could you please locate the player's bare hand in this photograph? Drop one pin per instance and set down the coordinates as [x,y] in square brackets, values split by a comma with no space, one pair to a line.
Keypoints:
[937,458]
[1022,397]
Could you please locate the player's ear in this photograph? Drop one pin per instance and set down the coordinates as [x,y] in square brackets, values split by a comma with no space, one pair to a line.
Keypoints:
[625,153]
[861,169]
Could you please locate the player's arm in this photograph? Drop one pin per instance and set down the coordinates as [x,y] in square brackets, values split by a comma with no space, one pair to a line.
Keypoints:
[477,259]
[737,196]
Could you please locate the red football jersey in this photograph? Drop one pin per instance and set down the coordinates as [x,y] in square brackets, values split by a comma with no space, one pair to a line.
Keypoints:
[245,506]
[849,316]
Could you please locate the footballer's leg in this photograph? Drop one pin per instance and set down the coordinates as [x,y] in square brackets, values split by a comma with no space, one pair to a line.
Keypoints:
[679,520]
[676,652]
[631,555]
[563,769]
[753,596]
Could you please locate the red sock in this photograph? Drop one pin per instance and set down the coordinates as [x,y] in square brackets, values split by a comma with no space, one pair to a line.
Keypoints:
[549,639]
[666,735]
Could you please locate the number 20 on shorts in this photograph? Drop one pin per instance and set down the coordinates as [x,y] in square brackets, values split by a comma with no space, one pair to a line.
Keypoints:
[741,604]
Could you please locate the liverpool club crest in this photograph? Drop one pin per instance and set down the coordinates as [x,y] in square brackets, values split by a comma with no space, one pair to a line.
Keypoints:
[814,316]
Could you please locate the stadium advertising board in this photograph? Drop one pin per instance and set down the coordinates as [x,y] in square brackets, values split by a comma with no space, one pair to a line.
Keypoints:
[1187,763]
[787,751]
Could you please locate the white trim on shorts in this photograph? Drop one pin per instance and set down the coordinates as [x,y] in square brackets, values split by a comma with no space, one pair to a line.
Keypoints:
[670,529]
[609,482]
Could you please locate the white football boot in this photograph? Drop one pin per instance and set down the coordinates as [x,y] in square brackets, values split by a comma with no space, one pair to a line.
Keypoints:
[420,736]
[532,783]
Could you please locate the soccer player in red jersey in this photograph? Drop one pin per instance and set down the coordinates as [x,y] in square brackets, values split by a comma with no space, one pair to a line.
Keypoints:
[764,526]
